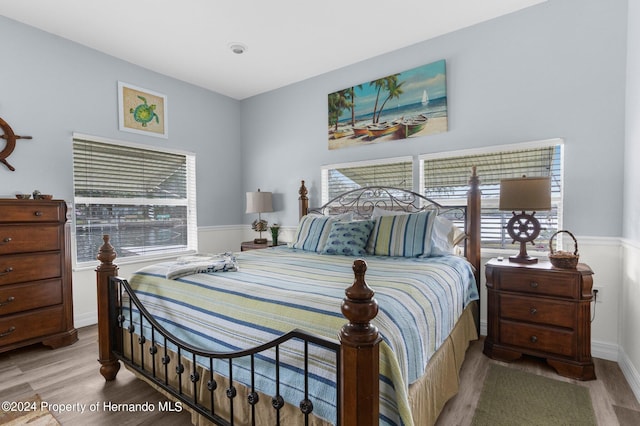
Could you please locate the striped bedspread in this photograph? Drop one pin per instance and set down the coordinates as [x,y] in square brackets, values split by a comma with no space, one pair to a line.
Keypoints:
[276,290]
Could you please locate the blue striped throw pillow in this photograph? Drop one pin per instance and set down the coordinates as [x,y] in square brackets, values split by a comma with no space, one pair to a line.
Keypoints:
[407,235]
[312,233]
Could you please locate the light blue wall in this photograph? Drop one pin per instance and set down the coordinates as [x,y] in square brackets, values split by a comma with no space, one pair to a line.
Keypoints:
[553,70]
[51,87]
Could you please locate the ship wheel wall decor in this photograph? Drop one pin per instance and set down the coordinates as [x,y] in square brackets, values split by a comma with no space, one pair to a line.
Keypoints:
[10,143]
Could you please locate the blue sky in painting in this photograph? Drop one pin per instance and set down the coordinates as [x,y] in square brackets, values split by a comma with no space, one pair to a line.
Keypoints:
[430,77]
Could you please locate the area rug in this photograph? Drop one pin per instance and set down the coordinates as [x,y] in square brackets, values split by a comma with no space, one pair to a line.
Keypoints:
[513,397]
[31,414]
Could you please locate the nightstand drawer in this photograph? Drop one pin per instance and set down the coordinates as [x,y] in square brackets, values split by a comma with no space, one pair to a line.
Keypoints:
[28,325]
[23,239]
[538,310]
[23,297]
[538,338]
[29,267]
[559,285]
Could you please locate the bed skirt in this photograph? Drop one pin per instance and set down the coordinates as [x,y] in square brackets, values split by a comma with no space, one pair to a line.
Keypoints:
[427,396]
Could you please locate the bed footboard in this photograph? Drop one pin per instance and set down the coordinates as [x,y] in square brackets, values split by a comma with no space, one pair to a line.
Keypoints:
[358,348]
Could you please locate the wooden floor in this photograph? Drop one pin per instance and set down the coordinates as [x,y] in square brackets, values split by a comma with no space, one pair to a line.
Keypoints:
[70,376]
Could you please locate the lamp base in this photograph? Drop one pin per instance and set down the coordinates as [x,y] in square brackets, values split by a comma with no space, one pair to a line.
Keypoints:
[260,240]
[523,259]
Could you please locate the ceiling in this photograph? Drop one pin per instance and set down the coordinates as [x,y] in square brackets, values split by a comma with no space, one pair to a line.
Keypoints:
[287,40]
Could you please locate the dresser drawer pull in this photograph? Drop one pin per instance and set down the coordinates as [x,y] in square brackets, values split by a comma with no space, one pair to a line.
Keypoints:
[533,339]
[6,271]
[9,300]
[8,332]
[6,240]
[533,284]
[38,213]
[533,311]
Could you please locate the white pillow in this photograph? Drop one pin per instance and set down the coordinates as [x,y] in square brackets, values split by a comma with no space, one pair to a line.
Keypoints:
[445,236]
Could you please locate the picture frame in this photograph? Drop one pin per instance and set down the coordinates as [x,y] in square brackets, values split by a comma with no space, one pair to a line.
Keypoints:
[142,111]
[407,104]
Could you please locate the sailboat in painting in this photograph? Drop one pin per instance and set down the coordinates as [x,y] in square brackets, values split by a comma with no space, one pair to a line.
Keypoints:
[425,98]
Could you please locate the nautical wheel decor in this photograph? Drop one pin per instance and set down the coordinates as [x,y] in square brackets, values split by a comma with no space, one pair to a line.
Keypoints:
[10,143]
[523,228]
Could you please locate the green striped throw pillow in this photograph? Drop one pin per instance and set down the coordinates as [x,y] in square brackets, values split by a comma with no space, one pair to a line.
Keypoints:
[407,235]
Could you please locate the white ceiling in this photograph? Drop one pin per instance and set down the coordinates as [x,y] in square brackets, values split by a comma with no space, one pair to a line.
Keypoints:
[287,40]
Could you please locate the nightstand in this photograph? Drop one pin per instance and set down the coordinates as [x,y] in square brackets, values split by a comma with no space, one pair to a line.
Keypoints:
[543,311]
[250,245]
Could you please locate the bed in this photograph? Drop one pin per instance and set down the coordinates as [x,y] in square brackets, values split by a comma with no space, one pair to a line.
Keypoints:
[251,337]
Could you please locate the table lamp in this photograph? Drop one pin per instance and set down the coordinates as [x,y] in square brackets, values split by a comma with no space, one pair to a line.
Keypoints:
[521,195]
[259,202]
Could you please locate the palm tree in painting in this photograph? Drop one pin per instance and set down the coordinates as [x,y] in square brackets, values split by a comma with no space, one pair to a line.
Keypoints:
[388,84]
[394,90]
[352,94]
[379,84]
[338,102]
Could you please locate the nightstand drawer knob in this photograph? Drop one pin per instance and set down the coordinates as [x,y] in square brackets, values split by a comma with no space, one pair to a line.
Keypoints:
[8,332]
[6,240]
[533,339]
[7,270]
[533,284]
[9,300]
[533,311]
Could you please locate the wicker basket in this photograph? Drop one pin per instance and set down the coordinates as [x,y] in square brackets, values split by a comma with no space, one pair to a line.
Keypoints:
[564,259]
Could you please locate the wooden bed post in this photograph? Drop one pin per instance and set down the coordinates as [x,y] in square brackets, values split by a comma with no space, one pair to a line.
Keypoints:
[303,200]
[473,222]
[109,363]
[359,353]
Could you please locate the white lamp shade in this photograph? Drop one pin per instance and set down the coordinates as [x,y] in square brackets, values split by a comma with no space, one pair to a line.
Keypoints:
[259,202]
[525,194]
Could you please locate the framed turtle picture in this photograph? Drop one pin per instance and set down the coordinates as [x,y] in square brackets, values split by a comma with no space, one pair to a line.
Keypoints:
[142,111]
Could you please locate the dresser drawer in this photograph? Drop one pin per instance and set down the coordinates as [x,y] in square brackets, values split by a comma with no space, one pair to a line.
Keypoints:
[538,338]
[31,211]
[538,310]
[25,238]
[20,268]
[29,325]
[559,285]
[22,297]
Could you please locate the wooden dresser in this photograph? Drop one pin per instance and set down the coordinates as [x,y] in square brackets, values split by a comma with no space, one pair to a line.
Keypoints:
[35,274]
[542,311]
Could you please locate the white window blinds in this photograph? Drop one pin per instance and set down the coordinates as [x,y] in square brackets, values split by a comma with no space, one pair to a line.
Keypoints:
[143,198]
[338,179]
[445,179]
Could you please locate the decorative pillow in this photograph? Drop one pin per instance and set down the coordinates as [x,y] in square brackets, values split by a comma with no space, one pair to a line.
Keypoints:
[348,238]
[379,212]
[445,236]
[312,233]
[405,235]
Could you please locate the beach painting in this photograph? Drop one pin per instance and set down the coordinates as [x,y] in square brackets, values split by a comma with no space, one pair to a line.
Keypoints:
[405,105]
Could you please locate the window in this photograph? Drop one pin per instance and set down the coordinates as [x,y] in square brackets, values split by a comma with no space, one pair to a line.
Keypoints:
[144,198]
[340,178]
[445,179]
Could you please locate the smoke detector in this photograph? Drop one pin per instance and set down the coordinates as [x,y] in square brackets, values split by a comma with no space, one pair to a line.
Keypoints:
[238,48]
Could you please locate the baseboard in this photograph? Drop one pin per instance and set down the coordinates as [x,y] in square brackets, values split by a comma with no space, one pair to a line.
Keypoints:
[630,373]
[85,319]
[604,350]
